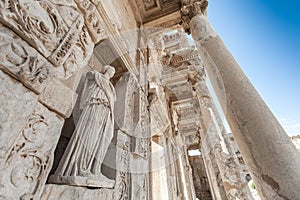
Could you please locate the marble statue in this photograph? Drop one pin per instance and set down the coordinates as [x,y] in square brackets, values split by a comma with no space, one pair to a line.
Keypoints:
[82,160]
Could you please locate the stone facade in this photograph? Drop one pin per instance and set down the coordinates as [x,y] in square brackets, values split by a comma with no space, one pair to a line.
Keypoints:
[110,100]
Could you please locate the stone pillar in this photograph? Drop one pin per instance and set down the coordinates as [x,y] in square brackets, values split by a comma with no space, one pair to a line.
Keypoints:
[133,148]
[216,151]
[171,169]
[188,175]
[268,152]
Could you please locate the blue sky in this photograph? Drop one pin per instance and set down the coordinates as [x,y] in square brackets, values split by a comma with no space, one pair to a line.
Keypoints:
[264,37]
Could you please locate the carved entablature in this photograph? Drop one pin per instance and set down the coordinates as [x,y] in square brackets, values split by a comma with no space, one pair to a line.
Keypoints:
[191,8]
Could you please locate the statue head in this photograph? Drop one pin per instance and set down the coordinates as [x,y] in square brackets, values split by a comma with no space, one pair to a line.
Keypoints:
[109,71]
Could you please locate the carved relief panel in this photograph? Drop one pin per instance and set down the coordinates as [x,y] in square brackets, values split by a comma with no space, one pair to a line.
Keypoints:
[44,24]
[122,186]
[26,168]
[54,28]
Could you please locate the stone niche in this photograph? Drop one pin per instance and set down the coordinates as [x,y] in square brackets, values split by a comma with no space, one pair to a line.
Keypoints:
[54,191]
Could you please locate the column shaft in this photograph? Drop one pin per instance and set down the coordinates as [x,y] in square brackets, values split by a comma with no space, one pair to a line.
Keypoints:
[267,150]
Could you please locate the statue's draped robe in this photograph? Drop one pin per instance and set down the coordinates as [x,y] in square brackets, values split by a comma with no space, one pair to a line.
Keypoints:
[94,131]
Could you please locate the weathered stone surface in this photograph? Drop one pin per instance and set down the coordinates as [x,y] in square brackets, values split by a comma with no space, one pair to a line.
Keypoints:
[126,104]
[58,97]
[24,173]
[22,61]
[65,192]
[17,103]
[46,46]
[159,114]
[64,49]
[122,186]
[75,82]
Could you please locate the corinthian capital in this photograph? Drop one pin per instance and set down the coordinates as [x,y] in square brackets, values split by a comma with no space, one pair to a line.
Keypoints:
[191,8]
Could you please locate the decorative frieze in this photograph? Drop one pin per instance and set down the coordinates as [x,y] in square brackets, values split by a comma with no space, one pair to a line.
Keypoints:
[79,56]
[55,29]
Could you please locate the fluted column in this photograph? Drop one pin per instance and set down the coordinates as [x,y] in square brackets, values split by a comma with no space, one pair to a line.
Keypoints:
[267,150]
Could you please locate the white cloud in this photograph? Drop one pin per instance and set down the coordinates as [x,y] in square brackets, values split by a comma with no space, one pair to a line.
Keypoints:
[291,126]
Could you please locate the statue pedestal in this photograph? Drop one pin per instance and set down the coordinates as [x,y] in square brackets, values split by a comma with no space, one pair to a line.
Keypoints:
[97,182]
[66,192]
